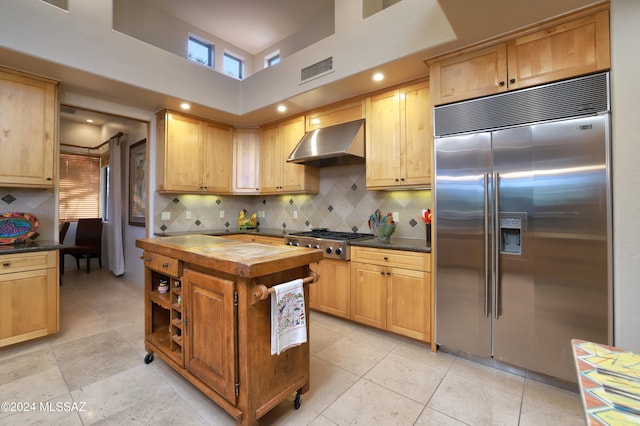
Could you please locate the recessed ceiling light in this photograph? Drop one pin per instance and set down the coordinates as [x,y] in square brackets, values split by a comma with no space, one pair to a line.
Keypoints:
[89,120]
[378,76]
[185,105]
[282,108]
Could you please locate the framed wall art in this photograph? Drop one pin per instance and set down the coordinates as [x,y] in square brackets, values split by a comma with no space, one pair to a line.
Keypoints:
[137,179]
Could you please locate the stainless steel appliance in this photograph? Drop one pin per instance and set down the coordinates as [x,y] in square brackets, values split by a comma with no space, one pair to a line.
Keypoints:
[335,245]
[331,146]
[522,209]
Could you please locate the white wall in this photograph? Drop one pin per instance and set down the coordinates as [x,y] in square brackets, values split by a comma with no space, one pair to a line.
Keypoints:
[84,40]
[87,28]
[165,31]
[134,267]
[625,70]
[322,27]
[421,24]
[79,134]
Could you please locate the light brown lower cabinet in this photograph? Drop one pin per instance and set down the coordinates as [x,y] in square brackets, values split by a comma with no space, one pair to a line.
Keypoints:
[29,296]
[211,342]
[391,290]
[332,293]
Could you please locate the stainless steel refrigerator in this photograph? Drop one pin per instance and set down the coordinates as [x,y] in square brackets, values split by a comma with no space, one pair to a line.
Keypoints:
[522,209]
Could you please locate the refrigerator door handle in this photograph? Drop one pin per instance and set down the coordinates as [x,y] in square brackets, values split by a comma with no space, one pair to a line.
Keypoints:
[496,245]
[487,257]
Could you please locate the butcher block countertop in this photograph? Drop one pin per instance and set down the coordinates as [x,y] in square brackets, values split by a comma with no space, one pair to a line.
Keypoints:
[239,258]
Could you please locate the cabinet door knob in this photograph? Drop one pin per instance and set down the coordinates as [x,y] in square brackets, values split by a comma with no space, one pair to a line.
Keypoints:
[501,83]
[148,259]
[513,80]
[5,264]
[385,258]
[381,272]
[165,265]
[388,273]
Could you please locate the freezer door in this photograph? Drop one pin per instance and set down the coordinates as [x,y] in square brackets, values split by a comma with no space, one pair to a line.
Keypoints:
[462,189]
[555,176]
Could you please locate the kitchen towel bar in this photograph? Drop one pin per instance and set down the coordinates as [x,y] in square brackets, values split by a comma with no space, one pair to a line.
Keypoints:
[262,291]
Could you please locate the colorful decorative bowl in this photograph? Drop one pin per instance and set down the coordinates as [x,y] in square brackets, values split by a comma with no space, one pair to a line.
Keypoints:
[17,227]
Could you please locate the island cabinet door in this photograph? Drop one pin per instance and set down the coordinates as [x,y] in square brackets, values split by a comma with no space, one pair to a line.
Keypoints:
[210,348]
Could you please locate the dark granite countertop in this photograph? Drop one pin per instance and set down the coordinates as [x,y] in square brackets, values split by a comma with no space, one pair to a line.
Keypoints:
[409,244]
[267,232]
[30,245]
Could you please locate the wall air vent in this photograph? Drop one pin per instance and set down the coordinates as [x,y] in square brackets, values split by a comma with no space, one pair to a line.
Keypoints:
[67,109]
[316,69]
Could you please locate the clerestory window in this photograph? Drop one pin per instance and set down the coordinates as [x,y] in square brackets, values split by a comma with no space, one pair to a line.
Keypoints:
[200,51]
[233,66]
[272,59]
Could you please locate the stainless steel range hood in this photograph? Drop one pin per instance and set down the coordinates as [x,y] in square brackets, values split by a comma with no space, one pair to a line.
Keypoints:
[331,146]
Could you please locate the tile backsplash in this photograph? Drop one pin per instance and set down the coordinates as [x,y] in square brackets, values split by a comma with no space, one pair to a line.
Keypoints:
[41,203]
[343,204]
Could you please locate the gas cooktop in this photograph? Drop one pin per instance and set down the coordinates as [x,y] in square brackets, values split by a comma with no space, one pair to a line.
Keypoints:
[331,235]
[334,244]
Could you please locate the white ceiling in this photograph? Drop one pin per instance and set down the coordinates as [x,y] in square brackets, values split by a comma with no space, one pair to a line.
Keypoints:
[252,25]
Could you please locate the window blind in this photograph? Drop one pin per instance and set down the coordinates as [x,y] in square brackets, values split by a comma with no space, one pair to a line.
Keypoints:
[79,187]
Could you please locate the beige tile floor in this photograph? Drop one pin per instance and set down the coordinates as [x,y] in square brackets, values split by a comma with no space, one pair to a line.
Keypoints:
[93,372]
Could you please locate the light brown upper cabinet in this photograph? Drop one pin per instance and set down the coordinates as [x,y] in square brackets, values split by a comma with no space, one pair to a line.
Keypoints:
[246,161]
[557,50]
[276,175]
[194,156]
[340,113]
[28,117]
[399,138]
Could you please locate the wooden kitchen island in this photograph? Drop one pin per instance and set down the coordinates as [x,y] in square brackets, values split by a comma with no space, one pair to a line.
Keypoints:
[213,325]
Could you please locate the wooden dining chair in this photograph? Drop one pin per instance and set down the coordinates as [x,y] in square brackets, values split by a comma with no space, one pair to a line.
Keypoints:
[64,228]
[88,244]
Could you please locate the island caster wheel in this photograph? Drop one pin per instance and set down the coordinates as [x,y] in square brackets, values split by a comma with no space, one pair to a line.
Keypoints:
[148,358]
[297,401]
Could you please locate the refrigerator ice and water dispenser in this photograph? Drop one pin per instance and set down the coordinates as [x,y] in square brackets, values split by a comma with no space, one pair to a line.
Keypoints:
[511,235]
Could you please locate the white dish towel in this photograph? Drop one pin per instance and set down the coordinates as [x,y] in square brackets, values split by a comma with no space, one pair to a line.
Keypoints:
[288,318]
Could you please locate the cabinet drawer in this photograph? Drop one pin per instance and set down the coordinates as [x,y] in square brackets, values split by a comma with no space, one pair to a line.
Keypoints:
[396,258]
[160,263]
[20,262]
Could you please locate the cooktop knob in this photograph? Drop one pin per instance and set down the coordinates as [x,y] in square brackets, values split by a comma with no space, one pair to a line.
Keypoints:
[329,250]
[339,251]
